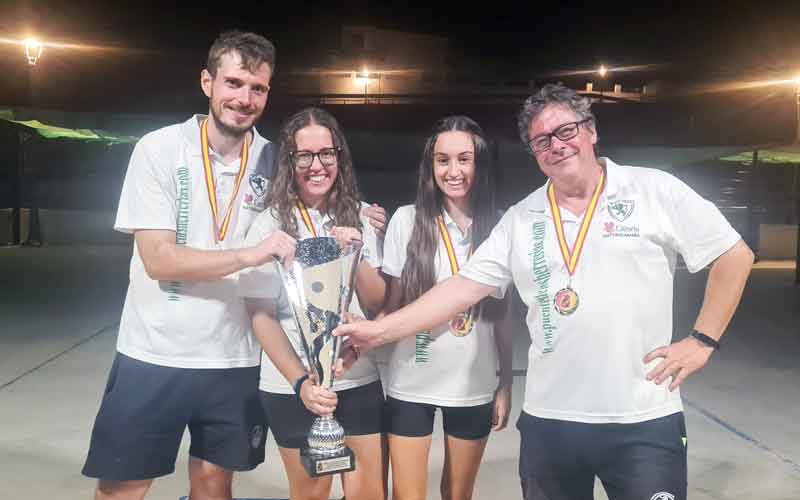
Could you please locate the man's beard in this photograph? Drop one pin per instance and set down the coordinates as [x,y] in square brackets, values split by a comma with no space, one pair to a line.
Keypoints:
[228,130]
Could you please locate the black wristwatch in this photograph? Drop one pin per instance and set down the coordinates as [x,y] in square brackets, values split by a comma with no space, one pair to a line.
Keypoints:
[299,383]
[705,339]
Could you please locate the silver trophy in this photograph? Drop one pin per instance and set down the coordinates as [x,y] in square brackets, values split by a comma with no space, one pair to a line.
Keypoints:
[319,284]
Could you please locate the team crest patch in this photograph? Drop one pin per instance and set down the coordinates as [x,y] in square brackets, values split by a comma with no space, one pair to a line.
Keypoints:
[259,184]
[621,209]
[256,436]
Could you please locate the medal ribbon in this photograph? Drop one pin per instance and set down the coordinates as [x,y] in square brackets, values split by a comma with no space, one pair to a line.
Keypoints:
[211,188]
[306,218]
[571,257]
[448,244]
[463,327]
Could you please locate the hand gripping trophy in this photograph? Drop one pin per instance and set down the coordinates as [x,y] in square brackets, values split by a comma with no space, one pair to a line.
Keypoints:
[319,284]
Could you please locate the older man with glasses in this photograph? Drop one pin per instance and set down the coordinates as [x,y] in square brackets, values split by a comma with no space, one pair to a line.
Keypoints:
[593,253]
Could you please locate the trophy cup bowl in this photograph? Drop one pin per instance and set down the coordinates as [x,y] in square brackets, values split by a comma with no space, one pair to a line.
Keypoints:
[319,284]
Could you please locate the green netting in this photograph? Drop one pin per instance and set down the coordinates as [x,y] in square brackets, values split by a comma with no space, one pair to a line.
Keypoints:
[78,134]
[766,156]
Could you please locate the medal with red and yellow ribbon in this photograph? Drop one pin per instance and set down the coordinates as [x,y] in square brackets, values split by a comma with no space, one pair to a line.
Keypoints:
[566,300]
[462,324]
[220,230]
[306,218]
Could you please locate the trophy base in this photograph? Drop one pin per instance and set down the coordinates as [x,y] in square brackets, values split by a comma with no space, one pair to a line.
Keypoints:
[321,465]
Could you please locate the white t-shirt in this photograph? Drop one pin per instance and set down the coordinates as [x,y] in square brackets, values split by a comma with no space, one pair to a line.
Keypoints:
[264,282]
[437,367]
[188,324]
[587,366]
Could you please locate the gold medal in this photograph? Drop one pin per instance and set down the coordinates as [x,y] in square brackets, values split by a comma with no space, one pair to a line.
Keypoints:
[566,300]
[462,324]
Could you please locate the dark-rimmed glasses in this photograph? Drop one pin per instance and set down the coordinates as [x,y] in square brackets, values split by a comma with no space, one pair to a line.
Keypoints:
[565,132]
[303,159]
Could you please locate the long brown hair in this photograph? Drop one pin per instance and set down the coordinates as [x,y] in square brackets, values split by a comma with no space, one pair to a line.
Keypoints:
[343,204]
[419,271]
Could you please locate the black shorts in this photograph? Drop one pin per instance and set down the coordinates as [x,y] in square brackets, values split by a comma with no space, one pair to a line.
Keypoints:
[558,460]
[359,410]
[146,408]
[409,419]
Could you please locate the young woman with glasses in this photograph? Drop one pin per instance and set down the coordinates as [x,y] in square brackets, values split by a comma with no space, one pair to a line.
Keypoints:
[314,193]
[454,366]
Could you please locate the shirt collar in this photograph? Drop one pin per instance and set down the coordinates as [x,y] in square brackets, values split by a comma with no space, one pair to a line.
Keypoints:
[453,228]
[191,133]
[615,177]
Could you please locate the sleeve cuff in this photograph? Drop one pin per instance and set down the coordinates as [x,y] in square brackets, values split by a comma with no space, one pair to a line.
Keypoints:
[712,253]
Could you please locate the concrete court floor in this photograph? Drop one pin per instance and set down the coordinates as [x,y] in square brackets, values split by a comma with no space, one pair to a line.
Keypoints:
[60,306]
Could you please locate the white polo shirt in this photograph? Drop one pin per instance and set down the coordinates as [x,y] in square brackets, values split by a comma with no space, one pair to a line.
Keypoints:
[587,367]
[188,324]
[265,282]
[438,367]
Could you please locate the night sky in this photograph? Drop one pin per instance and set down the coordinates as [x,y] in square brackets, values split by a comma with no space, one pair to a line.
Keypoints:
[164,48]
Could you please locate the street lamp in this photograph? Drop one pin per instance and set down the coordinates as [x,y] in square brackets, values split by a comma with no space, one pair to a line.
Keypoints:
[364,77]
[33,50]
[602,71]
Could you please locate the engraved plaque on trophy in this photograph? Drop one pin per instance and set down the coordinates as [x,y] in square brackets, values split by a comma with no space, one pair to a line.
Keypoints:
[319,284]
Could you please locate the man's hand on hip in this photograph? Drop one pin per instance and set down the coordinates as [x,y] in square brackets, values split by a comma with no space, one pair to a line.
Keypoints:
[679,360]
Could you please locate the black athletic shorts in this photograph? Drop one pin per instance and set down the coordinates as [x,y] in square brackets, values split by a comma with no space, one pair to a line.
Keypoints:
[359,410]
[558,460]
[406,418]
[147,407]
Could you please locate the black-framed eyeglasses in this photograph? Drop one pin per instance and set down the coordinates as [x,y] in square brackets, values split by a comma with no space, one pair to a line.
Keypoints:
[565,132]
[303,159]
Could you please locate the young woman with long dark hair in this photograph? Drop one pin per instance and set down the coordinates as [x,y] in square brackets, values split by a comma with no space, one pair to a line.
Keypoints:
[314,193]
[454,366]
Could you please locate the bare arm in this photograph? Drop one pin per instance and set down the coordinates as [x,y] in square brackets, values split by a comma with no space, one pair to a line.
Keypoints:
[503,338]
[726,281]
[370,288]
[273,340]
[436,306]
[724,288]
[280,351]
[165,260]
[393,296]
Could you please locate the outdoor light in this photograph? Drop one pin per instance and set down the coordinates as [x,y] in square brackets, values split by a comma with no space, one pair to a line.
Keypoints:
[602,71]
[363,76]
[33,50]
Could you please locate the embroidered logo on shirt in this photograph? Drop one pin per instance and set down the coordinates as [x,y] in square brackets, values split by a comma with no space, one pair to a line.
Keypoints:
[255,201]
[259,184]
[621,209]
[620,230]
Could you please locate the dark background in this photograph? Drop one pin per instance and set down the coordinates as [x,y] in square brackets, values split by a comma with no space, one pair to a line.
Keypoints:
[142,72]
